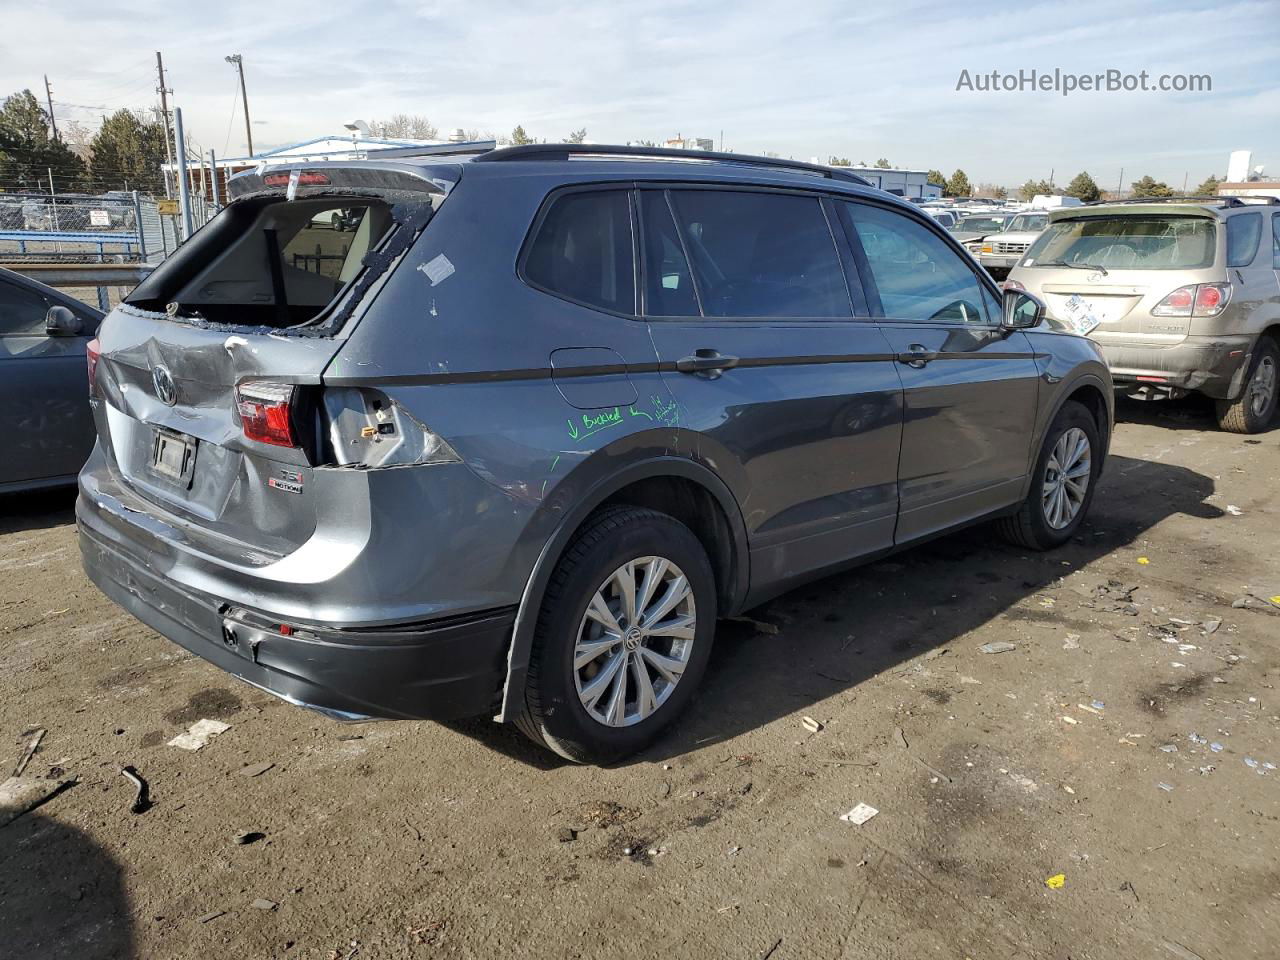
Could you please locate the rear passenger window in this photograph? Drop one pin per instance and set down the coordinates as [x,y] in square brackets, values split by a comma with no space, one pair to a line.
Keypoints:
[1275,240]
[1243,233]
[668,285]
[761,254]
[583,251]
[918,275]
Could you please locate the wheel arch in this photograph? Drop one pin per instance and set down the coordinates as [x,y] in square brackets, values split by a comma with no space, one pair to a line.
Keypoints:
[677,486]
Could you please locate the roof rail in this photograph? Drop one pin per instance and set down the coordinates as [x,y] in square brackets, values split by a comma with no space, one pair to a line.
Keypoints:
[563,151]
[1221,201]
[434,150]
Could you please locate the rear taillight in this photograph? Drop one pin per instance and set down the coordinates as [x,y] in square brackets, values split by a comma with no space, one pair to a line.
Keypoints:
[265,412]
[92,353]
[1194,300]
[1211,299]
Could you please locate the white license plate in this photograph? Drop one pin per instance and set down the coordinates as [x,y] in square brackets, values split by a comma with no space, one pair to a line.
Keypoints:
[174,456]
[1081,314]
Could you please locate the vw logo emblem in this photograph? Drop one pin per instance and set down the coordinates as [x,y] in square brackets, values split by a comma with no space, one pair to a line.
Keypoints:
[1094,277]
[166,392]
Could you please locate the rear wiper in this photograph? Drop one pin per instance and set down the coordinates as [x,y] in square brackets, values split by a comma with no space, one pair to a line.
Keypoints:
[1073,266]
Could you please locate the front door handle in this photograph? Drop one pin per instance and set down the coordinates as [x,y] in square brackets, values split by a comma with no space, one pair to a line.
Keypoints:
[917,355]
[706,361]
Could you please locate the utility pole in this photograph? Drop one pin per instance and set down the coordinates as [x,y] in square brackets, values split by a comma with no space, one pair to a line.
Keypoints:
[238,62]
[48,94]
[1120,187]
[164,112]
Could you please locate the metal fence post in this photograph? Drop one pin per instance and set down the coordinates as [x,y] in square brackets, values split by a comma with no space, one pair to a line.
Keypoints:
[137,225]
[184,184]
[217,200]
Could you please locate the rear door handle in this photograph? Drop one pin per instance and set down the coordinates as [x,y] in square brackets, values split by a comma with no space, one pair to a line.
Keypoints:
[706,361]
[917,355]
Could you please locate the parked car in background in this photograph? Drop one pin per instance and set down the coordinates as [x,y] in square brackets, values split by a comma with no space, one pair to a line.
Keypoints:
[421,483]
[1000,252]
[1182,294]
[46,431]
[973,228]
[947,218]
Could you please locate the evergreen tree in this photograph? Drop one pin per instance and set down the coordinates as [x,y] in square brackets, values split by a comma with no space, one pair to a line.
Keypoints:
[28,154]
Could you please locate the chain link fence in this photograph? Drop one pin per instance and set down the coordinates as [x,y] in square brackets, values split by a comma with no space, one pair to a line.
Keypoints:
[114,227]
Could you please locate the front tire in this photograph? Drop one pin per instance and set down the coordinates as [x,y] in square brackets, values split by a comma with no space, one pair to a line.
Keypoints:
[1252,411]
[622,638]
[1062,483]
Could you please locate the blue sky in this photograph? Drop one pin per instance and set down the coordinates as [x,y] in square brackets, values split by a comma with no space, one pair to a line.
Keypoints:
[805,80]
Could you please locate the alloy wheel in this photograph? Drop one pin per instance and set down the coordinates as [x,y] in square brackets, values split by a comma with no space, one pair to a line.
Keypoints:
[1263,386]
[634,641]
[1066,478]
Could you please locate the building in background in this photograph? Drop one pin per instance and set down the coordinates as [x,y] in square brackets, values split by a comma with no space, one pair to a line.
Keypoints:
[912,184]
[679,142]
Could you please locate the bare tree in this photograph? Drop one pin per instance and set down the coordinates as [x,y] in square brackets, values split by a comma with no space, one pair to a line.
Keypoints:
[78,137]
[578,136]
[408,126]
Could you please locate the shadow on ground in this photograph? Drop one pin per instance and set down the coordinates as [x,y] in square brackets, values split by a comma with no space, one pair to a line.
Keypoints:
[37,511]
[61,894]
[1192,412]
[839,631]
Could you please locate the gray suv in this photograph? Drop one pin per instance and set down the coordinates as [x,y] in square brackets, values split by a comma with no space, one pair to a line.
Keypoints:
[517,439]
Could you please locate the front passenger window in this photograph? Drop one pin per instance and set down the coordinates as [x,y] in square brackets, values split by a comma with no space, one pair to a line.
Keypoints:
[918,276]
[22,311]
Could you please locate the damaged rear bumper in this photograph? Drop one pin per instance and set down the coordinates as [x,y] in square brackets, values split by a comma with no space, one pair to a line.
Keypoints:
[1214,366]
[439,670]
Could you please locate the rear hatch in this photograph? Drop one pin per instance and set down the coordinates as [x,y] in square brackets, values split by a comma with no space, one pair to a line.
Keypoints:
[1103,273]
[211,411]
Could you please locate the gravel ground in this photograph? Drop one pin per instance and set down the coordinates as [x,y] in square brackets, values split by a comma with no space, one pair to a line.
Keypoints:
[1122,745]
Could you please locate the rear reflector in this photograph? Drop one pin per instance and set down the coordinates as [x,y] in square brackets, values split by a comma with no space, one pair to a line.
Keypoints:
[92,353]
[307,178]
[265,412]
[1152,379]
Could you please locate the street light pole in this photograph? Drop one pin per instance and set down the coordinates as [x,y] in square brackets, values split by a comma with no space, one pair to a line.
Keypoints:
[238,61]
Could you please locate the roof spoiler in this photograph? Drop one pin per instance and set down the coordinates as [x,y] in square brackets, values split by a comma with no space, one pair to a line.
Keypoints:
[565,151]
[1221,201]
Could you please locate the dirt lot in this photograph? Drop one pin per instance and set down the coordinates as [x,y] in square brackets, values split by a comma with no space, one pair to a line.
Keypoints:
[1123,744]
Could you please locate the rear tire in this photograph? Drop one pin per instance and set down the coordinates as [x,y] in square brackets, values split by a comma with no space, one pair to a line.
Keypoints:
[588,630]
[1253,410]
[1056,505]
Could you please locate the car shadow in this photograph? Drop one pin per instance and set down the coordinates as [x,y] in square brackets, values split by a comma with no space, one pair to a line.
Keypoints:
[62,895]
[37,510]
[1192,412]
[835,633]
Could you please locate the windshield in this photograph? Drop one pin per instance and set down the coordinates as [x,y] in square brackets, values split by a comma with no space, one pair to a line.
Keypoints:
[1127,243]
[980,223]
[1029,223]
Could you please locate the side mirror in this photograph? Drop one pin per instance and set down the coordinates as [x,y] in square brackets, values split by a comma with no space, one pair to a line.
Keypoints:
[61,321]
[1020,310]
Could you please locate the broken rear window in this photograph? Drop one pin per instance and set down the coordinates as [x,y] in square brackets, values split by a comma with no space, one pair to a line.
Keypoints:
[270,262]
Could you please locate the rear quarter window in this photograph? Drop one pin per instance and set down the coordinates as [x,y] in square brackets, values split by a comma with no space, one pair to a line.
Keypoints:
[582,250]
[1243,233]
